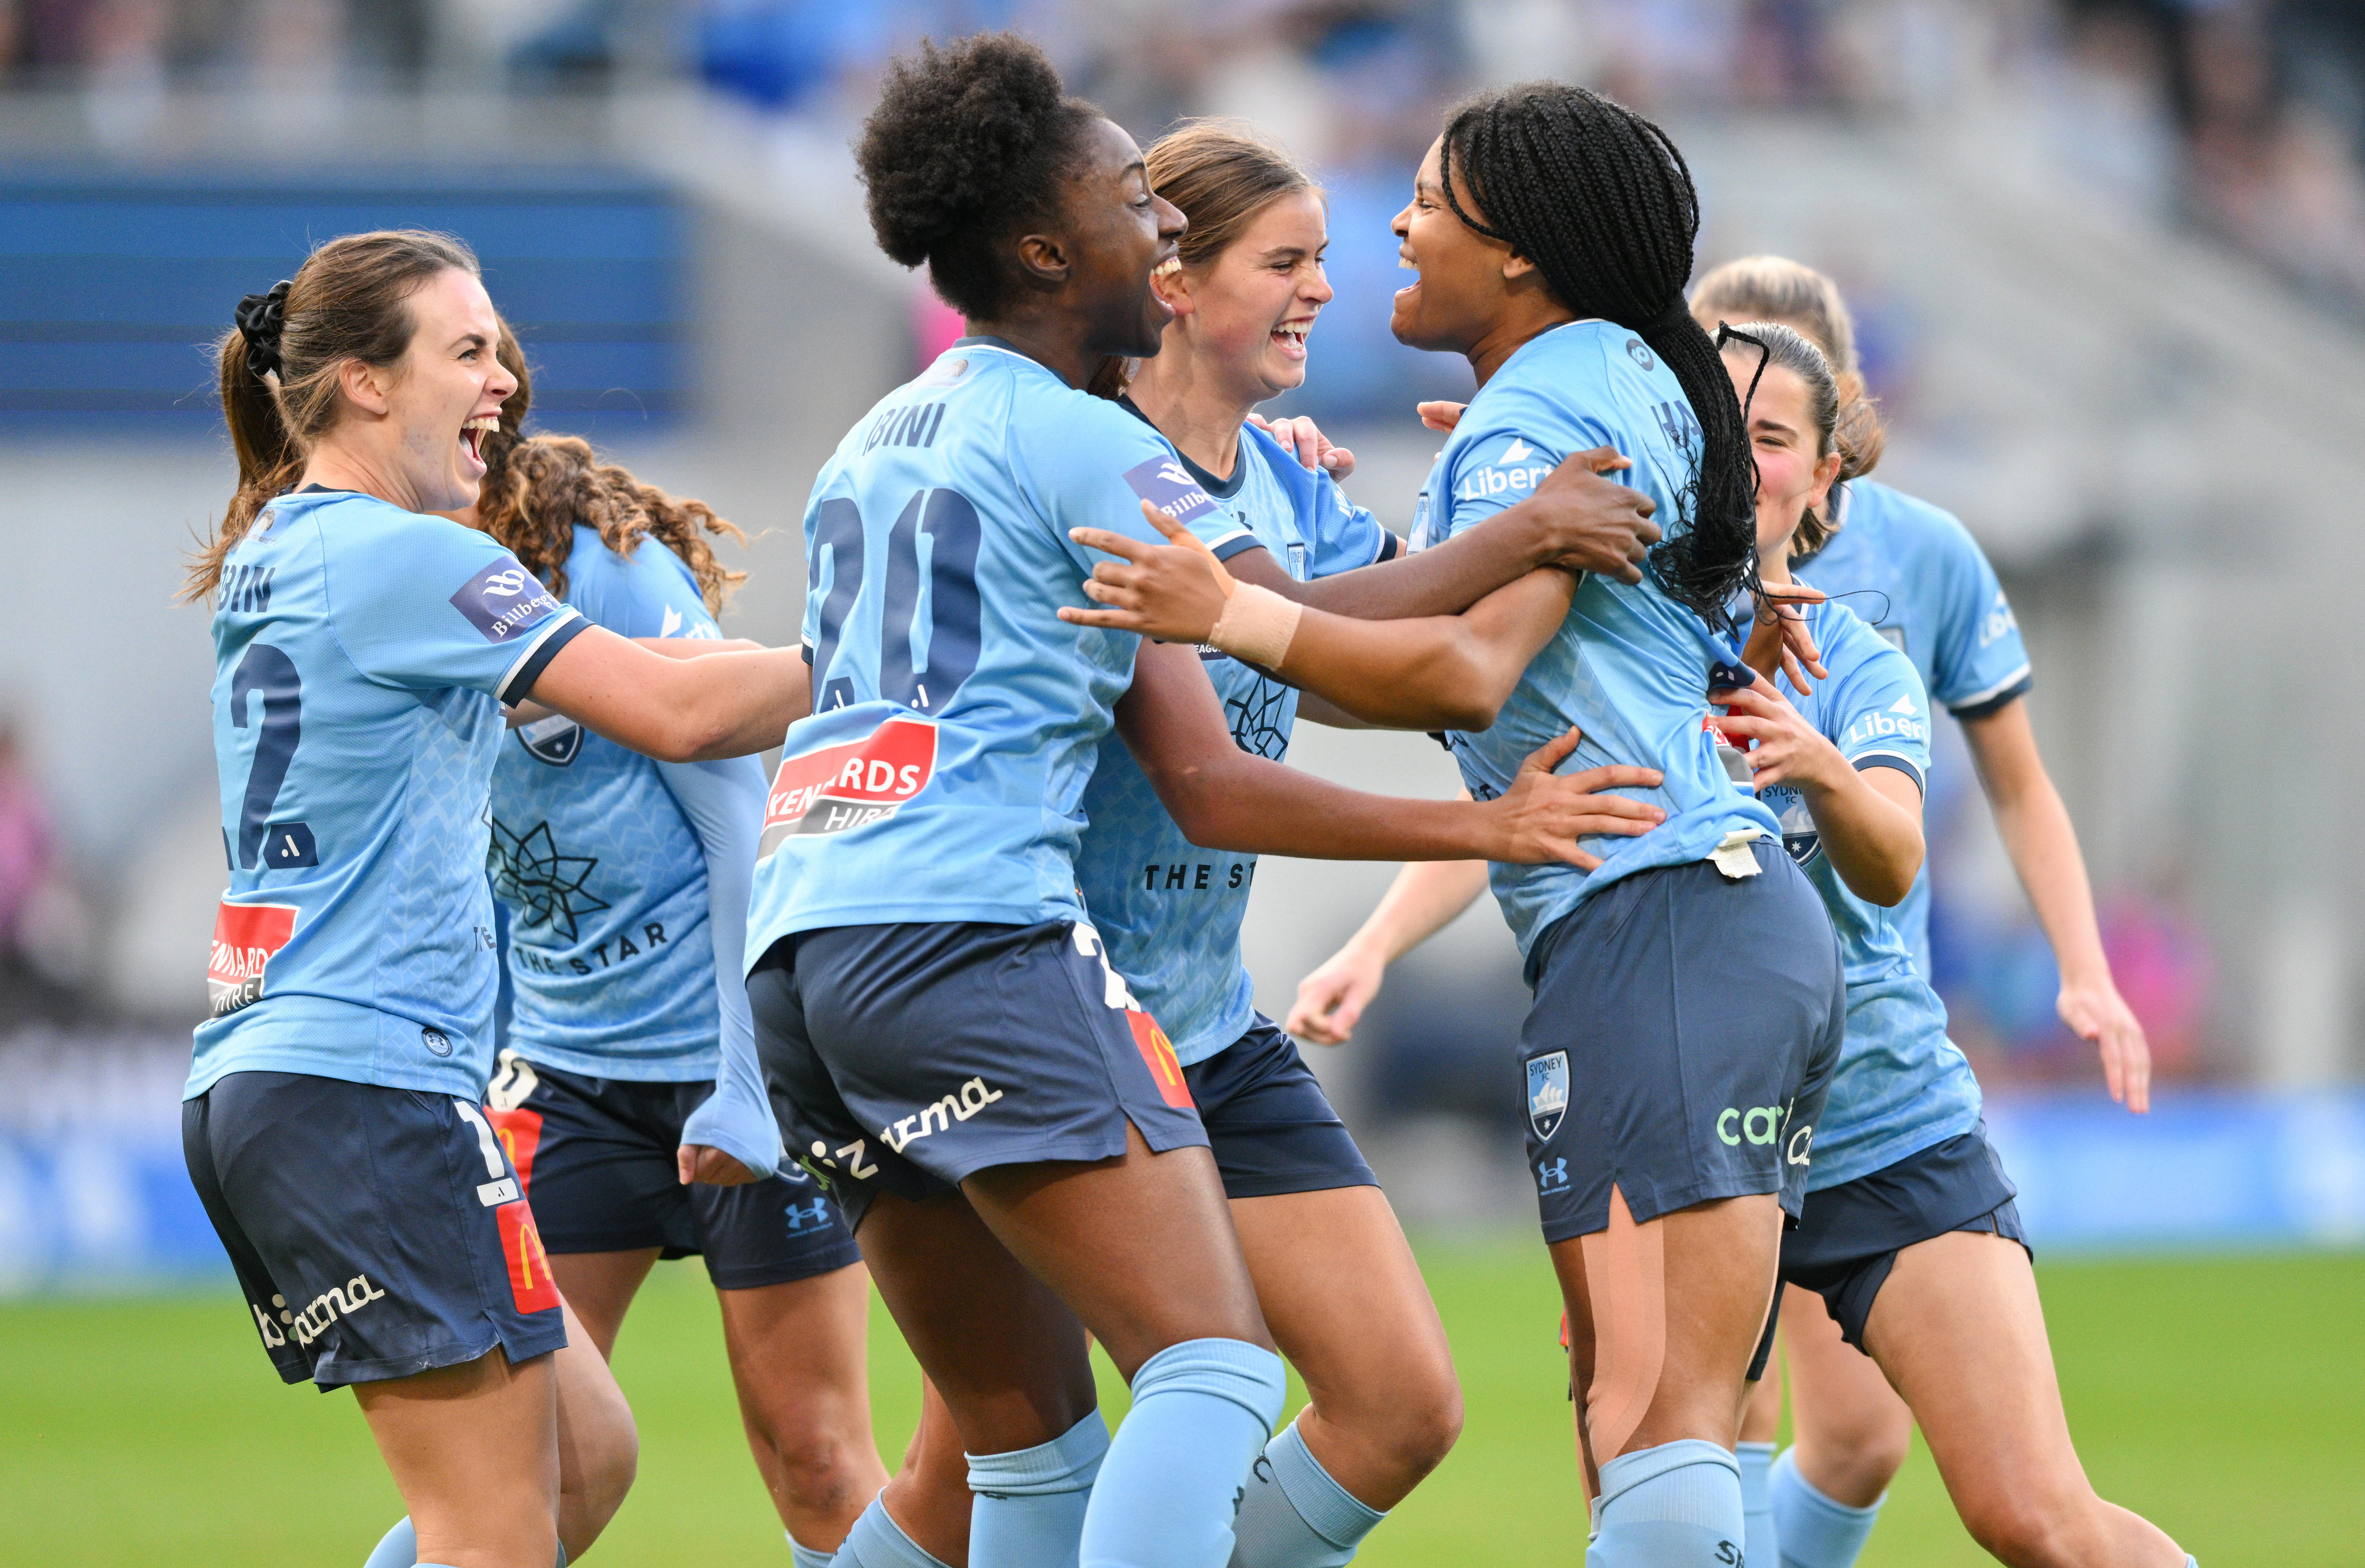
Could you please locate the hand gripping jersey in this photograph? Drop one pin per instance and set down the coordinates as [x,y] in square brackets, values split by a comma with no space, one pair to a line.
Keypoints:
[1169,910]
[1629,665]
[957,718]
[1917,575]
[1901,1086]
[626,879]
[359,651]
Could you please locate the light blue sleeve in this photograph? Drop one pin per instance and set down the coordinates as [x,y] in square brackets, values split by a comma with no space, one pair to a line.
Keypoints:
[1977,662]
[1500,465]
[427,604]
[725,803]
[1085,463]
[1345,536]
[1877,711]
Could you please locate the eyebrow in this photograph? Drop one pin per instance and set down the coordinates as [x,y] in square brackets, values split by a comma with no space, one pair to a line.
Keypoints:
[468,339]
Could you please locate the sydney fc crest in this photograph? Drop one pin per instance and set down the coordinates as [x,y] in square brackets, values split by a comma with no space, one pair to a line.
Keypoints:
[555,740]
[1547,1091]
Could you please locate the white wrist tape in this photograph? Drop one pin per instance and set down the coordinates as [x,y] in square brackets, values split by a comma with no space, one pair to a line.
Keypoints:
[1256,625]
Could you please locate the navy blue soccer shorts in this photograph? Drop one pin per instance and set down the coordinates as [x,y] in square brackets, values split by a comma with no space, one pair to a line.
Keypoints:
[1848,1237]
[376,1233]
[905,1057]
[598,1158]
[1270,1125]
[1684,1032]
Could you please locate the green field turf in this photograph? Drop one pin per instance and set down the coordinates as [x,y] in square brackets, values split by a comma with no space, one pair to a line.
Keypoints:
[2223,1397]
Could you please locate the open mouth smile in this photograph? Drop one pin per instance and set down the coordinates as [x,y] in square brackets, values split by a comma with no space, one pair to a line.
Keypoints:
[473,434]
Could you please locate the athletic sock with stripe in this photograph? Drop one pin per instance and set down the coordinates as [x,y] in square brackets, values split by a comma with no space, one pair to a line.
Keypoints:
[1816,1531]
[1028,1506]
[1295,1515]
[1679,1502]
[1173,1478]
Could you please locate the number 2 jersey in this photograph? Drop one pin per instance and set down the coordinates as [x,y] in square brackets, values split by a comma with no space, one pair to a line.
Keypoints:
[957,718]
[1629,665]
[1901,1085]
[1169,910]
[362,653]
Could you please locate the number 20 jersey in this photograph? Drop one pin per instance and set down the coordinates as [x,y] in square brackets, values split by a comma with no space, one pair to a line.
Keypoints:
[957,717]
[359,653]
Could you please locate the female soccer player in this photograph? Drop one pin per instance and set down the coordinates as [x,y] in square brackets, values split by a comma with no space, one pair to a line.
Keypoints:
[1008,1129]
[1664,1233]
[1384,1405]
[625,881]
[1917,574]
[331,1118]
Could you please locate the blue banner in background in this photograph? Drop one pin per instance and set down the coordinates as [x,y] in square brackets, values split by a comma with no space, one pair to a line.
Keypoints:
[93,1195]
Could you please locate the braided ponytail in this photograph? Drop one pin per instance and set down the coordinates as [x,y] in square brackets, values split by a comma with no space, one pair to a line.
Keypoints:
[1600,200]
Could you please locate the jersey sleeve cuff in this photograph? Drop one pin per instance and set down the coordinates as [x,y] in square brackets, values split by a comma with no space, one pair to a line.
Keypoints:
[1391,546]
[1904,765]
[1996,697]
[564,629]
[1232,545]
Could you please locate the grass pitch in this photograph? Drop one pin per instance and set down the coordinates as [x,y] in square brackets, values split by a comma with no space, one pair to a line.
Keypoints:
[2223,1398]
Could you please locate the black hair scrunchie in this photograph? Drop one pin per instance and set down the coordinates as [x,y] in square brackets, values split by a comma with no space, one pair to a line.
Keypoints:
[260,319]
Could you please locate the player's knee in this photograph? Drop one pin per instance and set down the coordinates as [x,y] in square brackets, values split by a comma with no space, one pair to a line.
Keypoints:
[2022,1530]
[1863,1456]
[605,1467]
[1411,1425]
[1428,1424]
[815,1467]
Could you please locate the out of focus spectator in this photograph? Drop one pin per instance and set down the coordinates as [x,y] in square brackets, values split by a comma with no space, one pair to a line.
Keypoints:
[44,924]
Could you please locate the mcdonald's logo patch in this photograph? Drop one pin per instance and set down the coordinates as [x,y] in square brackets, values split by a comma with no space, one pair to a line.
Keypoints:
[529,1280]
[521,1133]
[1157,1054]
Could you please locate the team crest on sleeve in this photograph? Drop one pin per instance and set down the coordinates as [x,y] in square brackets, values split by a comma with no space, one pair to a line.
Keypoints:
[555,740]
[850,785]
[1165,483]
[501,598]
[1547,1091]
[245,936]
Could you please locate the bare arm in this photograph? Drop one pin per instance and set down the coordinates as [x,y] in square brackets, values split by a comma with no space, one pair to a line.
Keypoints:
[527,711]
[1576,519]
[1224,797]
[1871,819]
[1423,899]
[1440,672]
[2043,844]
[677,709]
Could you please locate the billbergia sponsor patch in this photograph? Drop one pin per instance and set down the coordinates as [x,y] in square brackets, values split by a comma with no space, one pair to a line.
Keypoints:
[851,786]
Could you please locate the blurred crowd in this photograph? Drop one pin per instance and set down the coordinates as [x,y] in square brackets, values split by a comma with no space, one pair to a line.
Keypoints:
[2243,117]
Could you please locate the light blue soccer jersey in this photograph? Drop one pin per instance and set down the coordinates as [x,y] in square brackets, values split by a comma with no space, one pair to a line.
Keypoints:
[957,718]
[1901,1086]
[611,955]
[1630,666]
[359,651]
[1914,572]
[1169,910]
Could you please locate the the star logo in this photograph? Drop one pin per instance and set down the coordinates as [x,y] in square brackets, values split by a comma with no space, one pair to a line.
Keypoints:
[547,886]
[1257,720]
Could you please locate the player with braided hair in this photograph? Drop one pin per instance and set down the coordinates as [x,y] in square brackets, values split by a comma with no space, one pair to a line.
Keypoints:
[1689,992]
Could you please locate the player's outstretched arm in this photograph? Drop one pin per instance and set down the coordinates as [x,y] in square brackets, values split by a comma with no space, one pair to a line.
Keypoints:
[677,708]
[1423,899]
[1575,519]
[1870,820]
[2043,844]
[1224,797]
[1450,672]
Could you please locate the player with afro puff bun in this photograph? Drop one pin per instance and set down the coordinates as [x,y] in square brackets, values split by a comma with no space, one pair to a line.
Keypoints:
[1030,208]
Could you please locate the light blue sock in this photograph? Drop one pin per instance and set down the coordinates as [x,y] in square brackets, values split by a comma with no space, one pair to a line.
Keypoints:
[806,1557]
[1028,1505]
[1814,1531]
[1295,1515]
[1175,1476]
[399,1549]
[1677,1503]
[1757,1502]
[878,1541]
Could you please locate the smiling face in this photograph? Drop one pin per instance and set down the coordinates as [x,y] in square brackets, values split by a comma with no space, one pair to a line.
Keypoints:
[1791,475]
[417,425]
[1464,280]
[1243,317]
[1117,232]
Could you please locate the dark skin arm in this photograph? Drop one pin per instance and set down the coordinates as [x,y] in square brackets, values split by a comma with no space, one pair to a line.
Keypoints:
[1224,797]
[1438,672]
[1576,519]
